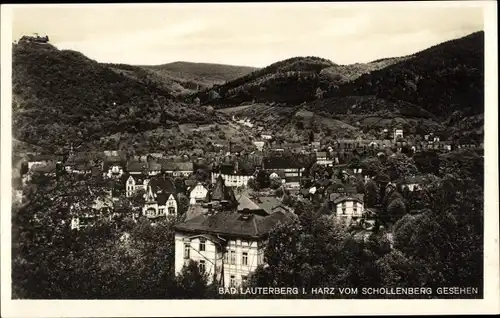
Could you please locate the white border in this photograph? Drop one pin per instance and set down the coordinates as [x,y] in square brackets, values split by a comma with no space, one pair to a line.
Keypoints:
[96,308]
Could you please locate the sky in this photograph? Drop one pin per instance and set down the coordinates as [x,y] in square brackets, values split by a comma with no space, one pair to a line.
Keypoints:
[252,34]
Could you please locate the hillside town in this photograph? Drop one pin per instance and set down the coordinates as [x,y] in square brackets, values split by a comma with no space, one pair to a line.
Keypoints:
[187,176]
[225,206]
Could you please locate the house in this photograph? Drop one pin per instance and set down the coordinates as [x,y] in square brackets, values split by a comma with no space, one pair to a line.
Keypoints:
[220,197]
[198,193]
[414,183]
[398,133]
[322,158]
[137,168]
[48,169]
[234,174]
[135,183]
[349,207]
[42,160]
[102,206]
[113,167]
[259,145]
[160,198]
[177,168]
[266,135]
[80,163]
[286,168]
[227,245]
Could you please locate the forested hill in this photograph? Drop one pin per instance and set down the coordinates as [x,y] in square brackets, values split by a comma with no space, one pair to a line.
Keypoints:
[290,81]
[182,78]
[203,71]
[444,79]
[62,97]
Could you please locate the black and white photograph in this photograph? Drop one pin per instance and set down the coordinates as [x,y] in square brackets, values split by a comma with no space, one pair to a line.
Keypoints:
[249,152]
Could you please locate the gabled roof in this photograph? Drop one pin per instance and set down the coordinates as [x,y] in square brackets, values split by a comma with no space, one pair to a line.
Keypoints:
[338,199]
[244,202]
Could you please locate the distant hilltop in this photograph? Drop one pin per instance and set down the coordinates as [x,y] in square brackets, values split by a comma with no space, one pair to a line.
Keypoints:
[36,38]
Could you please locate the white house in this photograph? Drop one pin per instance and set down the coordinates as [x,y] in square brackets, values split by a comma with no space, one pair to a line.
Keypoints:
[134,184]
[160,198]
[349,207]
[198,193]
[233,175]
[398,133]
[227,245]
[266,136]
[113,167]
[259,145]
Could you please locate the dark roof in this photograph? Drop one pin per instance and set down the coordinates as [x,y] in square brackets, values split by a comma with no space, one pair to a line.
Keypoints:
[292,179]
[138,178]
[280,162]
[234,224]
[354,197]
[240,169]
[44,168]
[43,157]
[222,193]
[176,165]
[237,148]
[154,166]
[162,184]
[136,166]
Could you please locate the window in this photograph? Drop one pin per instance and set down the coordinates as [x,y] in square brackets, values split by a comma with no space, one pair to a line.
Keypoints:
[244,279]
[244,259]
[186,251]
[171,210]
[233,257]
[201,266]
[202,244]
[232,281]
[162,211]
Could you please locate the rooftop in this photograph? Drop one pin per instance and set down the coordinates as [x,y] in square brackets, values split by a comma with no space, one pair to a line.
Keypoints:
[234,224]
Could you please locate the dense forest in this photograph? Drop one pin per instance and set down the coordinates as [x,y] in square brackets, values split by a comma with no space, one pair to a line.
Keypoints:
[62,97]
[443,79]
[290,81]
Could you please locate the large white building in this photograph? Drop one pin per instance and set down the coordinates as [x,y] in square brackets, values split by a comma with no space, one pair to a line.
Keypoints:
[233,175]
[228,245]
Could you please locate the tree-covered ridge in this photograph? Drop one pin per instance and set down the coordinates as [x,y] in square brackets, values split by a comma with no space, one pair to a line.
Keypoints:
[290,81]
[202,72]
[341,74]
[442,79]
[368,104]
[62,97]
